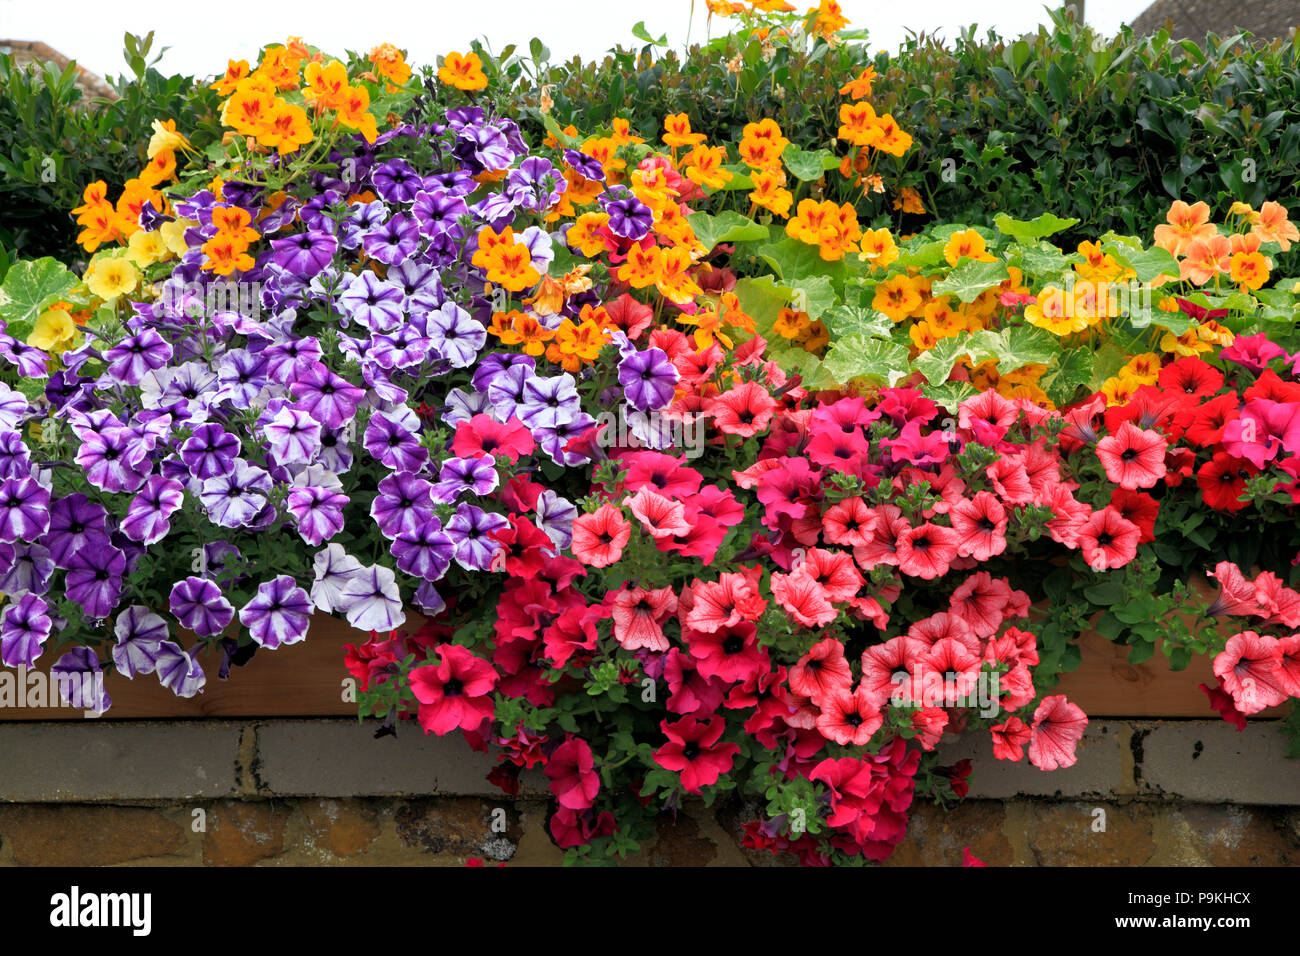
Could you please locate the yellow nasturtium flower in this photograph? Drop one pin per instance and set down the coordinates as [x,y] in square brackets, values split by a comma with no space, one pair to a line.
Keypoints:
[110,276]
[54,331]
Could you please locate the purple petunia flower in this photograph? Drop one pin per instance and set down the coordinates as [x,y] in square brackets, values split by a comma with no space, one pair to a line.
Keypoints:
[335,453]
[94,580]
[507,391]
[210,451]
[76,523]
[404,503]
[304,254]
[326,397]
[200,606]
[461,406]
[549,401]
[628,216]
[30,361]
[423,552]
[111,460]
[402,349]
[393,242]
[589,167]
[420,285]
[279,614]
[319,512]
[178,672]
[374,303]
[24,509]
[494,363]
[131,358]
[455,335]
[148,517]
[535,184]
[459,476]
[293,435]
[334,567]
[233,500]
[25,627]
[15,460]
[363,218]
[428,600]
[371,600]
[286,360]
[648,379]
[29,570]
[242,375]
[555,516]
[80,680]
[391,438]
[396,181]
[554,440]
[437,211]
[139,632]
[470,530]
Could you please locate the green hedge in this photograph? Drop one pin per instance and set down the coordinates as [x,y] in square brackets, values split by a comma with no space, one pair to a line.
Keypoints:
[1105,130]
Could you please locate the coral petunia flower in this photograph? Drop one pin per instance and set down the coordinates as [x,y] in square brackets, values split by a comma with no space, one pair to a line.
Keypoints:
[1247,668]
[1054,735]
[1107,540]
[1133,457]
[600,537]
[849,718]
[821,671]
[639,615]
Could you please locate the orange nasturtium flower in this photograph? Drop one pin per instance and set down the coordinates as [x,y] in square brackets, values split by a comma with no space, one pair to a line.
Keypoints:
[248,109]
[859,88]
[236,70]
[643,268]
[703,166]
[770,192]
[896,297]
[1206,258]
[878,248]
[859,125]
[677,131]
[674,281]
[1186,224]
[280,66]
[287,128]
[390,63]
[326,85]
[226,254]
[506,262]
[234,223]
[892,139]
[909,200]
[463,72]
[966,244]
[827,18]
[584,234]
[352,113]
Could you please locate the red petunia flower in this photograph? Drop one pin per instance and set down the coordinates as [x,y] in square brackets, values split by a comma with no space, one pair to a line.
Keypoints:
[664,474]
[1222,481]
[482,436]
[805,600]
[1206,429]
[1133,457]
[456,692]
[693,751]
[849,522]
[571,770]
[1222,702]
[1009,739]
[730,653]
[1190,377]
[658,516]
[1139,508]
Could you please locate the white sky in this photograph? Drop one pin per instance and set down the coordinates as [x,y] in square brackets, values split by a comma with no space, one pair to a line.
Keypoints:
[203,34]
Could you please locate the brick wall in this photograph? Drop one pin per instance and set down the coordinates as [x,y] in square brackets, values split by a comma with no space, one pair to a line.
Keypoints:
[325,792]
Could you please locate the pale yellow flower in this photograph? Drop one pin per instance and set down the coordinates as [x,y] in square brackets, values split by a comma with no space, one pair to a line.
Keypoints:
[110,277]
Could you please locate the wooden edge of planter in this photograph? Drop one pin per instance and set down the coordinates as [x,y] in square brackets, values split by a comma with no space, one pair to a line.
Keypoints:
[310,680]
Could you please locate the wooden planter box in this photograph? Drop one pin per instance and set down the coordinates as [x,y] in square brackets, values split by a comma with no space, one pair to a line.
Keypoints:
[309,680]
